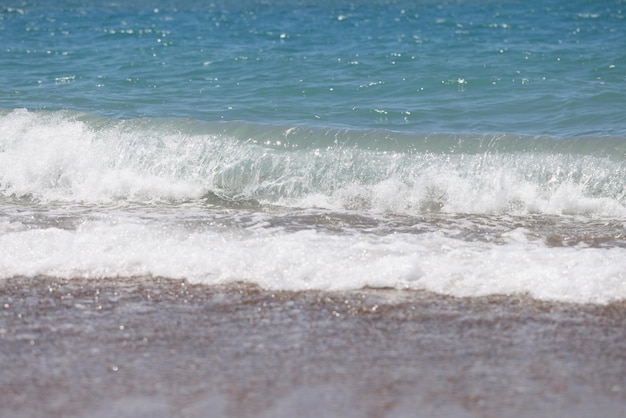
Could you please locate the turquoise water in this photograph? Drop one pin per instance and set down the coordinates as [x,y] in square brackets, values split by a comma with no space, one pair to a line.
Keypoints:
[465,148]
[534,67]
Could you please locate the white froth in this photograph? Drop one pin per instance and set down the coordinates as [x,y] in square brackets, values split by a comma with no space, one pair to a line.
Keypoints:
[70,158]
[59,159]
[56,158]
[310,259]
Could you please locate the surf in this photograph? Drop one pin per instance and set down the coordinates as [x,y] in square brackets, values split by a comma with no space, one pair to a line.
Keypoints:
[77,157]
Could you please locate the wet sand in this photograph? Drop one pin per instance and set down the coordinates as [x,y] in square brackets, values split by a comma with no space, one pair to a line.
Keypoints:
[151,347]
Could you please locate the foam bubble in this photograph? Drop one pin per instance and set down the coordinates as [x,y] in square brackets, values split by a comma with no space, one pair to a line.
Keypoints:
[276,258]
[78,158]
[57,157]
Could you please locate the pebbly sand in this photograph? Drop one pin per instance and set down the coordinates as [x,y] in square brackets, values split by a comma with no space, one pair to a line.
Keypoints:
[148,347]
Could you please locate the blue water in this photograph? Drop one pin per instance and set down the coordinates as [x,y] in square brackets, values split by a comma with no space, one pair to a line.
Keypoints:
[532,67]
[461,147]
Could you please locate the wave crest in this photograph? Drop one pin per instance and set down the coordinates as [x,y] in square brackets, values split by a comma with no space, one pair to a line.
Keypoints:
[62,156]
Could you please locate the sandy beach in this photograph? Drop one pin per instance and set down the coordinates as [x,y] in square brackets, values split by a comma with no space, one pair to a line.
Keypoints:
[160,348]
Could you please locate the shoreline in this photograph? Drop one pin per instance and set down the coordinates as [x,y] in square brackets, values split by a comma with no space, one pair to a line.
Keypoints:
[159,347]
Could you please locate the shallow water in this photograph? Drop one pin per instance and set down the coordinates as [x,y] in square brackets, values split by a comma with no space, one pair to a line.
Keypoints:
[465,148]
[89,198]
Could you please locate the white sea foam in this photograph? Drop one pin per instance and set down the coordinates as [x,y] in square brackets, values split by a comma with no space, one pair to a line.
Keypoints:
[275,258]
[77,158]
[61,157]
[89,197]
[55,157]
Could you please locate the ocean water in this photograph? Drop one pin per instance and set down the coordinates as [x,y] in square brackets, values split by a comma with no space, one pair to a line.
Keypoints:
[466,147]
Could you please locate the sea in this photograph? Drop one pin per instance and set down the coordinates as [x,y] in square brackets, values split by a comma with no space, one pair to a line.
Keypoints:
[463,148]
